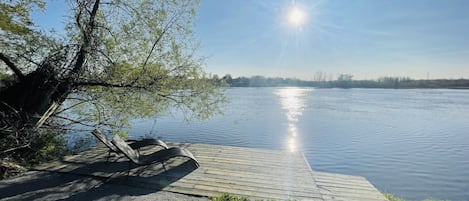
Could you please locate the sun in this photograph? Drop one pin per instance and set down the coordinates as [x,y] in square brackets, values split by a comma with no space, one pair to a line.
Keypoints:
[296,16]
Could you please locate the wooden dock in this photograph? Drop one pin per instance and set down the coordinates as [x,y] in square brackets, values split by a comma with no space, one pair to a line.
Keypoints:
[252,173]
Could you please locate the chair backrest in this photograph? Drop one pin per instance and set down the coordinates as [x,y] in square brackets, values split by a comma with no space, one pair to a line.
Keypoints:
[101,137]
[125,148]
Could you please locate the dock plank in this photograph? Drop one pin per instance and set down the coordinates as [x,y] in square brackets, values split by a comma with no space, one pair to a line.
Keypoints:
[339,187]
[247,172]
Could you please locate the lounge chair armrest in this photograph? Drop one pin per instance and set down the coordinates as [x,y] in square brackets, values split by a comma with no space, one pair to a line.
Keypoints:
[137,144]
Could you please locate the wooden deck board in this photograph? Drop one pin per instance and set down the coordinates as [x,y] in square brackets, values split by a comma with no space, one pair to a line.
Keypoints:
[339,187]
[253,173]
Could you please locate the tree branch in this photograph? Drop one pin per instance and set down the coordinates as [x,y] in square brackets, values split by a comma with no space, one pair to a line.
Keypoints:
[12,66]
[70,107]
[87,40]
[158,39]
[105,84]
[16,148]
[73,121]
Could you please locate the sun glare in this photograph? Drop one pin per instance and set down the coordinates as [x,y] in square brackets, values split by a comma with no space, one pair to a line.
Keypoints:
[293,102]
[296,16]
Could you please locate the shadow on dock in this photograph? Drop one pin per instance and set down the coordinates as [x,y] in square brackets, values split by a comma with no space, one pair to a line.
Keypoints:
[45,185]
[253,173]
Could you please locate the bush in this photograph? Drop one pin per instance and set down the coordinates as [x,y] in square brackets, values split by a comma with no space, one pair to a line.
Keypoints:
[22,145]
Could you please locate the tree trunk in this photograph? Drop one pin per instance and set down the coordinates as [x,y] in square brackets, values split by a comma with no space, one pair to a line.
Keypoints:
[36,92]
[33,95]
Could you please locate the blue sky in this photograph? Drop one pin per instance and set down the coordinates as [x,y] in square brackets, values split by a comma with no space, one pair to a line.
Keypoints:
[366,38]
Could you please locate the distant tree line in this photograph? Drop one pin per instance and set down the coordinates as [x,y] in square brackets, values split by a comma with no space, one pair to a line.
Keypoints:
[344,81]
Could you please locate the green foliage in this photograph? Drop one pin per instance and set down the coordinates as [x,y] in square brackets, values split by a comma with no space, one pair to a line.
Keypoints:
[142,60]
[14,15]
[391,197]
[150,65]
[32,146]
[434,200]
[4,76]
[229,197]
[28,147]
[118,61]
[49,145]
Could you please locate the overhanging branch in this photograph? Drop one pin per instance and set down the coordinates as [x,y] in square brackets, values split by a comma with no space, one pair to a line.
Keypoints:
[105,84]
[12,66]
[87,32]
[129,86]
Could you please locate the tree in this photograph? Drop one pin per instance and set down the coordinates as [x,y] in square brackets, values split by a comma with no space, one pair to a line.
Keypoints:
[319,76]
[119,59]
[14,17]
[320,79]
[344,80]
[228,79]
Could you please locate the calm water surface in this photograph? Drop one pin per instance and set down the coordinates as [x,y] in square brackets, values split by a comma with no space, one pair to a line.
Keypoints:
[413,143]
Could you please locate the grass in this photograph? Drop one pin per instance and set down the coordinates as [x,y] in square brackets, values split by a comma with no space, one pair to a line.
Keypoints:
[391,197]
[229,197]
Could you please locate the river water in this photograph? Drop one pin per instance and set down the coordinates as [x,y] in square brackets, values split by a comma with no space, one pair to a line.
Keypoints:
[413,143]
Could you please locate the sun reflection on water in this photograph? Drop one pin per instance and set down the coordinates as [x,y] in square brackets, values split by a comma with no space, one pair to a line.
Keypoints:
[293,102]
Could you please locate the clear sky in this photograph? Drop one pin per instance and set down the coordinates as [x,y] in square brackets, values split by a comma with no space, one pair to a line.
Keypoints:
[366,38]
